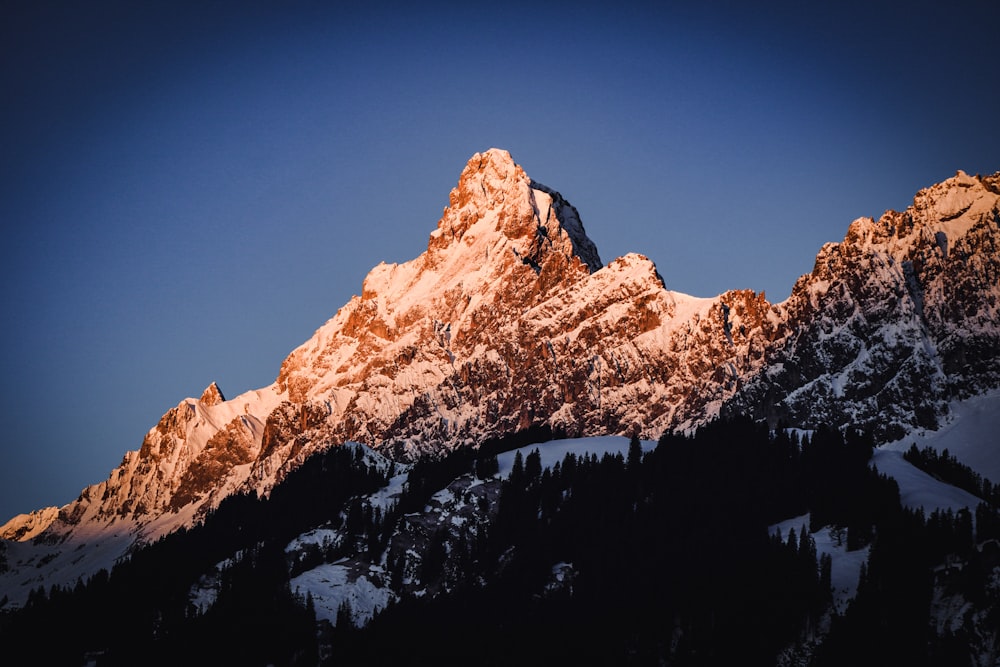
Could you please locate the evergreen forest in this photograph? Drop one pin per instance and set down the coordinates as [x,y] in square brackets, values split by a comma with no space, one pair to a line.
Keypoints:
[667,556]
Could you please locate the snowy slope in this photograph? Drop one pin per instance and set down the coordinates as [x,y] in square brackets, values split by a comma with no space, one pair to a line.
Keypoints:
[916,488]
[333,584]
[364,585]
[845,566]
[971,434]
[555,451]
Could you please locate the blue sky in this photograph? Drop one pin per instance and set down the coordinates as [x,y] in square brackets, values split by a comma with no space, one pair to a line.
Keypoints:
[188,192]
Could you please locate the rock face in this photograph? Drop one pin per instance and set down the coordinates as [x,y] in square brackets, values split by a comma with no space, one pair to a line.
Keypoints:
[26,526]
[895,321]
[507,322]
[510,321]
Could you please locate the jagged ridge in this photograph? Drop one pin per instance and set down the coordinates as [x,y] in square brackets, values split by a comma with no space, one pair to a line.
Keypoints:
[894,322]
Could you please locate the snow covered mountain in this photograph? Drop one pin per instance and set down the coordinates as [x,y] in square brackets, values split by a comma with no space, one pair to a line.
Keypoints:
[895,321]
[509,321]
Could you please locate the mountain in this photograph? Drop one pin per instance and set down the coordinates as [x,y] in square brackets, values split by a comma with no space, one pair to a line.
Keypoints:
[510,323]
[895,322]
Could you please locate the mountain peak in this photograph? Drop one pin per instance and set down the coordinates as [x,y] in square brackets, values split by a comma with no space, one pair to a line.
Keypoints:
[504,245]
[23,527]
[212,395]
[962,197]
[496,195]
[487,178]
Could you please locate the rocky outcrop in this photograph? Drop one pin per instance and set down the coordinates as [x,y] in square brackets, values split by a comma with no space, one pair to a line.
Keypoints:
[212,395]
[26,526]
[895,321]
[510,321]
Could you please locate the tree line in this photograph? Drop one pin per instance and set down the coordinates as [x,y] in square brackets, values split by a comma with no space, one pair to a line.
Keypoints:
[660,557]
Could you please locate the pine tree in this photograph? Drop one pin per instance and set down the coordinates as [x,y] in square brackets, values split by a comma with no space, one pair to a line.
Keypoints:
[516,478]
[634,460]
[345,615]
[533,466]
[826,578]
[487,467]
[397,572]
[355,517]
[310,607]
[434,558]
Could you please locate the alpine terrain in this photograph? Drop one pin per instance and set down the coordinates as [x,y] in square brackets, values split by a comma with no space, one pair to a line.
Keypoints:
[505,432]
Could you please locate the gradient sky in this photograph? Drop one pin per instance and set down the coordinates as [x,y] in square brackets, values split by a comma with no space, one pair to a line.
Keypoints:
[188,192]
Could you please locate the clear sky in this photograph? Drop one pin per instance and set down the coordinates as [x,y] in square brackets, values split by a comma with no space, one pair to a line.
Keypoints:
[188,190]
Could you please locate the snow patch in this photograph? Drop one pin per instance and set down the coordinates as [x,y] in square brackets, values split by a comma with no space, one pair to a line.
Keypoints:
[555,451]
[845,566]
[333,584]
[971,434]
[918,489]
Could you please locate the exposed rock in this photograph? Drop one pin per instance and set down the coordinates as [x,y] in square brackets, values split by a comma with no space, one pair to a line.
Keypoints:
[890,326]
[212,395]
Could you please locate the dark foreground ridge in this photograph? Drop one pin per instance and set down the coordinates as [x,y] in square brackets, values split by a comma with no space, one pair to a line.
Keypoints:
[639,559]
